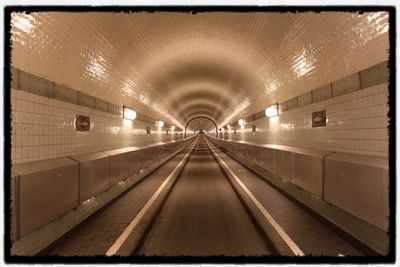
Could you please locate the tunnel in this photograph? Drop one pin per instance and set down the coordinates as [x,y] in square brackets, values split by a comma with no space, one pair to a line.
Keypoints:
[199,135]
[202,124]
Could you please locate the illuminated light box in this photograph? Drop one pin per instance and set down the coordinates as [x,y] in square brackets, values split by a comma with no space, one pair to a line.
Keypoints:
[160,124]
[129,114]
[271,111]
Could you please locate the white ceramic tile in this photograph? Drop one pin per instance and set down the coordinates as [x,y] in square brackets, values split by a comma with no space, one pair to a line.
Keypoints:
[44,134]
[357,124]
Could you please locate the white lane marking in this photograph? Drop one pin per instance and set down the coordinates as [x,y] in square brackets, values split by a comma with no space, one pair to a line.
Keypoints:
[122,238]
[296,250]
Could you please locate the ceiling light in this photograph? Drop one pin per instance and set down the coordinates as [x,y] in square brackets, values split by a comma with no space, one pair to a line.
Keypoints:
[173,127]
[241,122]
[272,111]
[129,114]
[228,126]
[159,124]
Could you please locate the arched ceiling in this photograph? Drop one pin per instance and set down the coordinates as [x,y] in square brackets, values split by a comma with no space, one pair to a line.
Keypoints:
[174,66]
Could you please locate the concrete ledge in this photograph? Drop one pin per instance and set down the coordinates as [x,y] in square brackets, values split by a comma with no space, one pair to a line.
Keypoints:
[43,190]
[119,164]
[308,172]
[284,164]
[359,185]
[38,240]
[94,174]
[268,159]
[137,162]
[301,166]
[369,234]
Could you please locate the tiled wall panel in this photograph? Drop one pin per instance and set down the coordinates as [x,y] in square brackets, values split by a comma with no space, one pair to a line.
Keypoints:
[322,93]
[356,122]
[347,84]
[305,99]
[374,75]
[66,94]
[43,128]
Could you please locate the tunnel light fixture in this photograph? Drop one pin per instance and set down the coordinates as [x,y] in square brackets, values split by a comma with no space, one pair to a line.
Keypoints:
[129,114]
[272,111]
[159,123]
[241,122]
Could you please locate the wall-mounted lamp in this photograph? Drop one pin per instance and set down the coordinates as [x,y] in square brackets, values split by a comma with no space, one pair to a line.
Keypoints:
[228,126]
[159,124]
[172,127]
[272,111]
[241,122]
[129,114]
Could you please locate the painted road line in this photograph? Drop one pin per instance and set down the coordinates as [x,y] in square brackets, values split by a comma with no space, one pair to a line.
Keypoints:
[122,238]
[292,245]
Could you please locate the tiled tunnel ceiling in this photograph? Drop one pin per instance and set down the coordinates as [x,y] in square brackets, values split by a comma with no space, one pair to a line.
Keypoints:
[176,66]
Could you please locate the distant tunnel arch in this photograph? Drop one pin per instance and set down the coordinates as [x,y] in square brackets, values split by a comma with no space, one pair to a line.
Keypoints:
[202,117]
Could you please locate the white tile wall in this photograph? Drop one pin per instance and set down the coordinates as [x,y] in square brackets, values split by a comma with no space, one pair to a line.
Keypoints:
[357,123]
[44,128]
